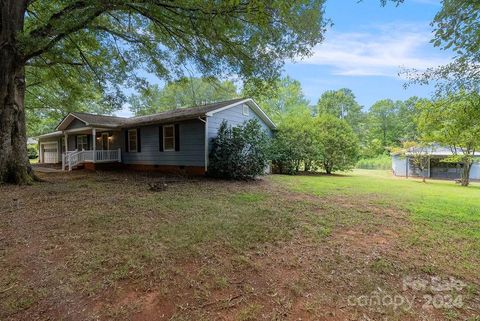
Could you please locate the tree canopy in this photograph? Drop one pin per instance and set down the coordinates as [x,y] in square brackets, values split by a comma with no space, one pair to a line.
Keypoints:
[185,92]
[457,28]
[282,97]
[341,104]
[89,50]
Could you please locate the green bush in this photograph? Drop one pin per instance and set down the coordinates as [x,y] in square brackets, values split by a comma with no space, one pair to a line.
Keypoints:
[285,159]
[32,152]
[239,152]
[379,162]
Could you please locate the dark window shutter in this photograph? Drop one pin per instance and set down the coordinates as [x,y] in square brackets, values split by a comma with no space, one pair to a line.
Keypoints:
[177,137]
[126,141]
[160,138]
[139,141]
[76,142]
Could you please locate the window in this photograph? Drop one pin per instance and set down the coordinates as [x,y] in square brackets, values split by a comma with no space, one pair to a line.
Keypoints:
[132,140]
[82,143]
[246,110]
[169,138]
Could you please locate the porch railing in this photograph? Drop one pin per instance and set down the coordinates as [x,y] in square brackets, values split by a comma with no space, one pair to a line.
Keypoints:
[74,158]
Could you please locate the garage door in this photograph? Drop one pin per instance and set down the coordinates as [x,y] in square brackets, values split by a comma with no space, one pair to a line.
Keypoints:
[50,153]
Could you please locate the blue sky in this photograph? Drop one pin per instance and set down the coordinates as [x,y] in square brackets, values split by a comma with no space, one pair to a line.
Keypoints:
[366,48]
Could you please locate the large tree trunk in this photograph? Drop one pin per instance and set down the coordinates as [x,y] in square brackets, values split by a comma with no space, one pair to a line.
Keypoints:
[14,164]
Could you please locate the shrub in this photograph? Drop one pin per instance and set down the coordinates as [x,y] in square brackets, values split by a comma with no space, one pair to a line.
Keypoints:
[379,162]
[239,152]
[32,152]
[285,159]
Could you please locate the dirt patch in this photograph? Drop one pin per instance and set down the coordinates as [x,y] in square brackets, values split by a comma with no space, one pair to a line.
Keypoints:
[86,246]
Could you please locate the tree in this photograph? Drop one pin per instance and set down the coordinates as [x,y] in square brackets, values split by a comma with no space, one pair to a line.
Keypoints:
[338,144]
[456,28]
[454,121]
[186,92]
[295,143]
[406,119]
[239,153]
[250,39]
[284,96]
[382,120]
[341,104]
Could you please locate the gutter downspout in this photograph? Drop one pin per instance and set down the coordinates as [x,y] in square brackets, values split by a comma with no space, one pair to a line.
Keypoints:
[205,121]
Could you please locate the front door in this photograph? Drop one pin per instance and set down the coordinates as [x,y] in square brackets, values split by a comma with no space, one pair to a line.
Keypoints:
[105,144]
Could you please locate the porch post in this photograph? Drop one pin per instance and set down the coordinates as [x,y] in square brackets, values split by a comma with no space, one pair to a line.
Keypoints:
[64,155]
[66,142]
[94,144]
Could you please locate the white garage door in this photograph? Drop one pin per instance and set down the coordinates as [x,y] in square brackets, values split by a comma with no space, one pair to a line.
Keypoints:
[50,153]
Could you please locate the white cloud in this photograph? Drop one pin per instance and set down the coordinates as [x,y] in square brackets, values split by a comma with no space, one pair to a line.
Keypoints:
[381,50]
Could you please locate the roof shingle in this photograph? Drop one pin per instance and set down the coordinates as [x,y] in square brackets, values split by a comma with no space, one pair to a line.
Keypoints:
[170,115]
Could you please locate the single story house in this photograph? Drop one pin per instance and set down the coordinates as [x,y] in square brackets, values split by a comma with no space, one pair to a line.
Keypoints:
[402,164]
[173,141]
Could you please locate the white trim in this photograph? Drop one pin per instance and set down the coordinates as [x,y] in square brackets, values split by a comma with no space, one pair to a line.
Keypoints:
[69,116]
[41,157]
[173,129]
[252,105]
[136,139]
[77,130]
[54,134]
[227,107]
[205,122]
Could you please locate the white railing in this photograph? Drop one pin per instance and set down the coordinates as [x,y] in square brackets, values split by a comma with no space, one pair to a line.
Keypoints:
[107,155]
[71,159]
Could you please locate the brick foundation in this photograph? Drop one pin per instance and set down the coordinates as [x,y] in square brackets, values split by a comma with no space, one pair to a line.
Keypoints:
[166,169]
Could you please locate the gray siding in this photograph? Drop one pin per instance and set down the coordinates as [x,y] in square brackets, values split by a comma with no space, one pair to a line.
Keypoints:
[191,153]
[234,116]
[76,124]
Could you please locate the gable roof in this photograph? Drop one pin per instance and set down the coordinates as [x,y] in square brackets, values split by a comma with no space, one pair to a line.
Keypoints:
[99,120]
[92,120]
[182,113]
[166,116]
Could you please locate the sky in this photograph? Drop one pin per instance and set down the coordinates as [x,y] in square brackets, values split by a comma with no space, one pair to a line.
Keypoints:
[366,48]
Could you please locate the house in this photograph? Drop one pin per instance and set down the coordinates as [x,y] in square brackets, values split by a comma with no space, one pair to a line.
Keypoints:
[402,164]
[173,141]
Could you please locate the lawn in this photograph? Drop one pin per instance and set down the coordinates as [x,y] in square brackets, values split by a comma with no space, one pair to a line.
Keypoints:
[102,246]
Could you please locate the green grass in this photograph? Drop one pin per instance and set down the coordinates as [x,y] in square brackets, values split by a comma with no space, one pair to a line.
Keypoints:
[446,216]
[208,241]
[380,162]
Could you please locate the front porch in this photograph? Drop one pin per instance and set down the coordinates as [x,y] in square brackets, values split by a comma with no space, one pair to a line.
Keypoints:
[92,145]
[75,158]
